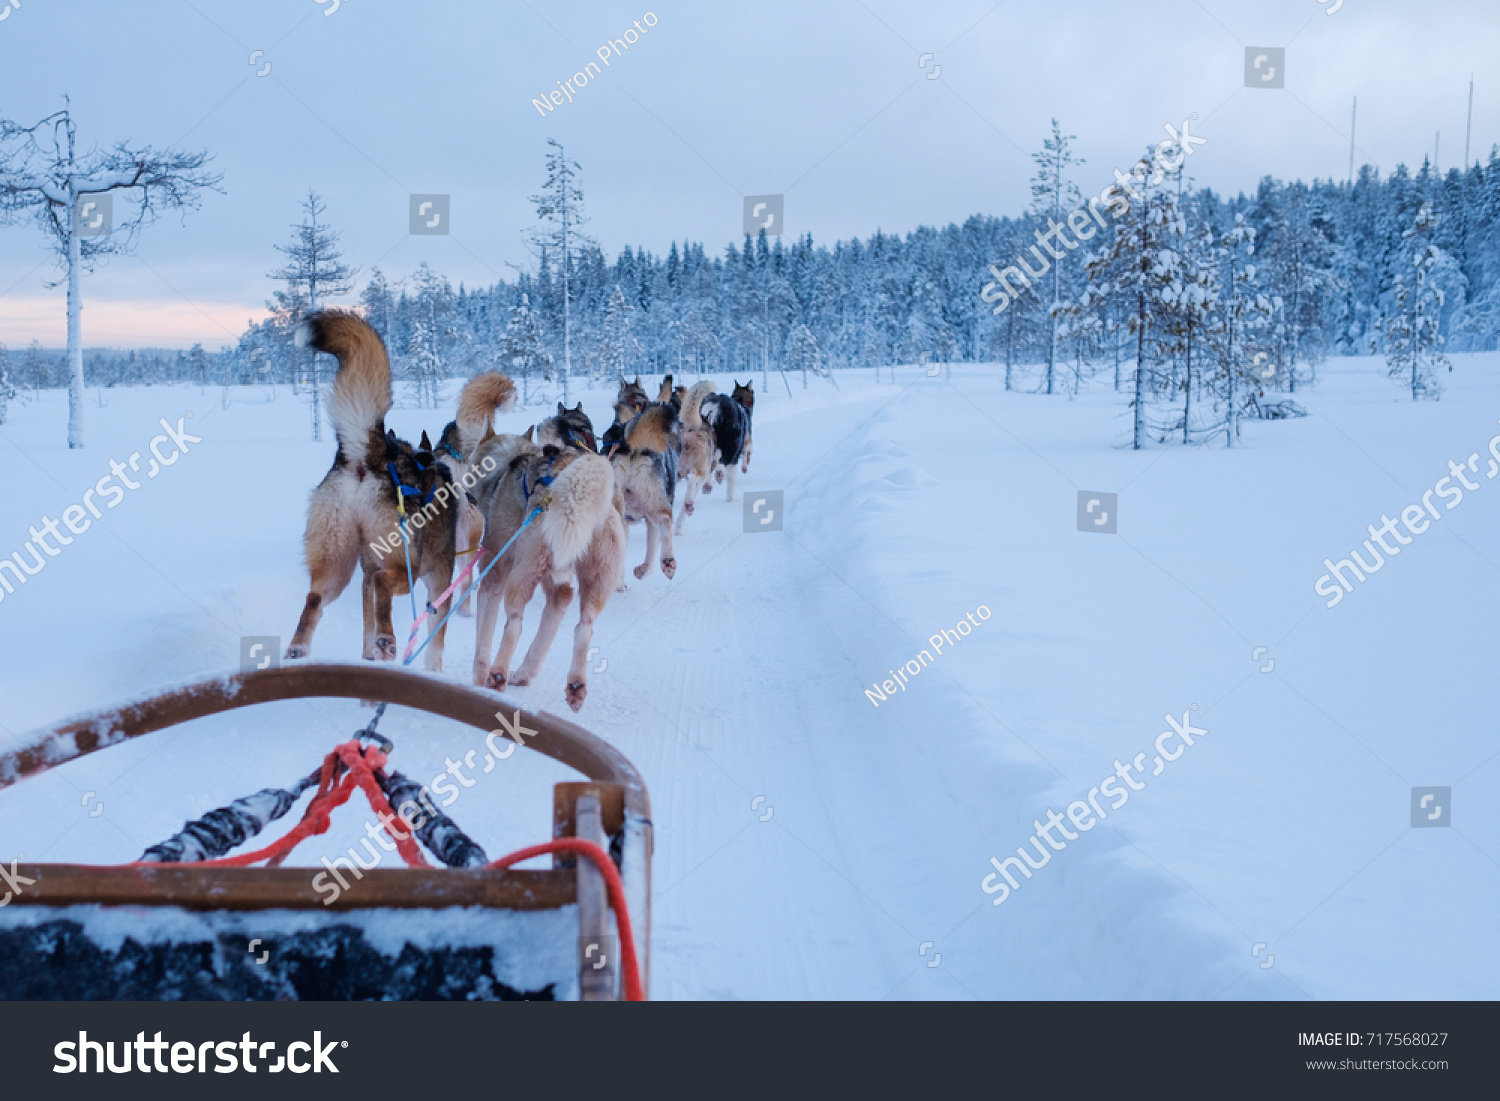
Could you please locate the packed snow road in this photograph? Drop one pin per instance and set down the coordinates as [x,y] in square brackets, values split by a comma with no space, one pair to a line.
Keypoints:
[830,772]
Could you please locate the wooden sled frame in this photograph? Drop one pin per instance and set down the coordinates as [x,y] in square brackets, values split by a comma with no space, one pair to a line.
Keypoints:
[613,801]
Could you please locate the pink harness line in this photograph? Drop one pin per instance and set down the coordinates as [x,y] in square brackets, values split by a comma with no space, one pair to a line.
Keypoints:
[435,605]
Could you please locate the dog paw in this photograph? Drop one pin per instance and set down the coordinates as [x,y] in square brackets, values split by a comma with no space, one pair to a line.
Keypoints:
[295,652]
[689,507]
[708,487]
[577,690]
[496,680]
[669,567]
[718,477]
[466,610]
[641,570]
[622,588]
[385,646]
[519,680]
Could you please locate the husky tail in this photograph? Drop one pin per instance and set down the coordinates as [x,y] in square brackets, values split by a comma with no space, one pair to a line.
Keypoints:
[582,498]
[482,396]
[692,405]
[362,388]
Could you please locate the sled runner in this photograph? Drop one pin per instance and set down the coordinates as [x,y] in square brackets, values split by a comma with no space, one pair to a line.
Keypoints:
[187,922]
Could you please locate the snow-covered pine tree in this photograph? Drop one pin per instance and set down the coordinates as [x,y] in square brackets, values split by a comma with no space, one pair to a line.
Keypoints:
[560,206]
[522,351]
[803,353]
[436,337]
[618,347]
[1410,327]
[1297,259]
[1053,195]
[314,272]
[1138,262]
[1240,335]
[7,384]
[34,370]
[379,302]
[1191,302]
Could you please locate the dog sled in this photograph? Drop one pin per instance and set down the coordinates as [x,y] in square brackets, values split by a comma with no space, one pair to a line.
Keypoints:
[190,924]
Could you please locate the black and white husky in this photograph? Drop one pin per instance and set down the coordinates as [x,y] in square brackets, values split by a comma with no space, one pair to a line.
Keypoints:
[729,417]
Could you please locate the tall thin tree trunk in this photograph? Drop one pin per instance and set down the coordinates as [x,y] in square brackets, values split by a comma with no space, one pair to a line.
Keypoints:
[1117,361]
[75,318]
[1140,375]
[1187,405]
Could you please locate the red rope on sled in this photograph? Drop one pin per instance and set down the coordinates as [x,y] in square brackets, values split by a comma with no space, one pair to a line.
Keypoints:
[606,866]
[360,763]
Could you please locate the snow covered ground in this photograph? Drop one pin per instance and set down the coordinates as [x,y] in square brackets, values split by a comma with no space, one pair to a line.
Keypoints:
[808,843]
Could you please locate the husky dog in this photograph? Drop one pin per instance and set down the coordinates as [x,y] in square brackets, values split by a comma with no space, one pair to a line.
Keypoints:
[628,402]
[645,464]
[698,447]
[482,396]
[570,428]
[730,420]
[578,535]
[376,479]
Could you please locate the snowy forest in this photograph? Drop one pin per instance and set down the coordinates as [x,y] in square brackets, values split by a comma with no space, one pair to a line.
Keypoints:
[1229,304]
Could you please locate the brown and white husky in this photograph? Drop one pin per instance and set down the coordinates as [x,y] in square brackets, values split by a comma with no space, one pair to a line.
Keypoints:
[355,514]
[482,396]
[576,538]
[698,449]
[645,463]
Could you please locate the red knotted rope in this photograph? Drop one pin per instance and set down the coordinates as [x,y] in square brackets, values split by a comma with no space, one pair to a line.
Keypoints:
[360,763]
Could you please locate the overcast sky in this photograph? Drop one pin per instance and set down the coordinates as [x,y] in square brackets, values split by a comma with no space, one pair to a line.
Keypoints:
[821,100]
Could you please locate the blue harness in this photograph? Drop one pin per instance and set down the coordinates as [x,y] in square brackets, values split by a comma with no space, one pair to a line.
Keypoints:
[544,480]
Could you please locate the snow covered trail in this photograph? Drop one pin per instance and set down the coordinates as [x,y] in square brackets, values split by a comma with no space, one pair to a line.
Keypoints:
[808,843]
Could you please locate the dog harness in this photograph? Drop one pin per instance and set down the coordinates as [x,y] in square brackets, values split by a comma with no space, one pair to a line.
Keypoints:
[544,480]
[582,439]
[448,447]
[403,491]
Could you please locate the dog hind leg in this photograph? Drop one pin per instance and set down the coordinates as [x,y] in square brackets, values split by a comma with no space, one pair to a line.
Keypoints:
[664,525]
[385,631]
[516,598]
[488,611]
[329,575]
[652,538]
[559,596]
[436,580]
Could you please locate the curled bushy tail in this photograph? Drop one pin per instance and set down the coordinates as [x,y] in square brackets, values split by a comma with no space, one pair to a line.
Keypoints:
[362,388]
[692,405]
[482,396]
[582,498]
